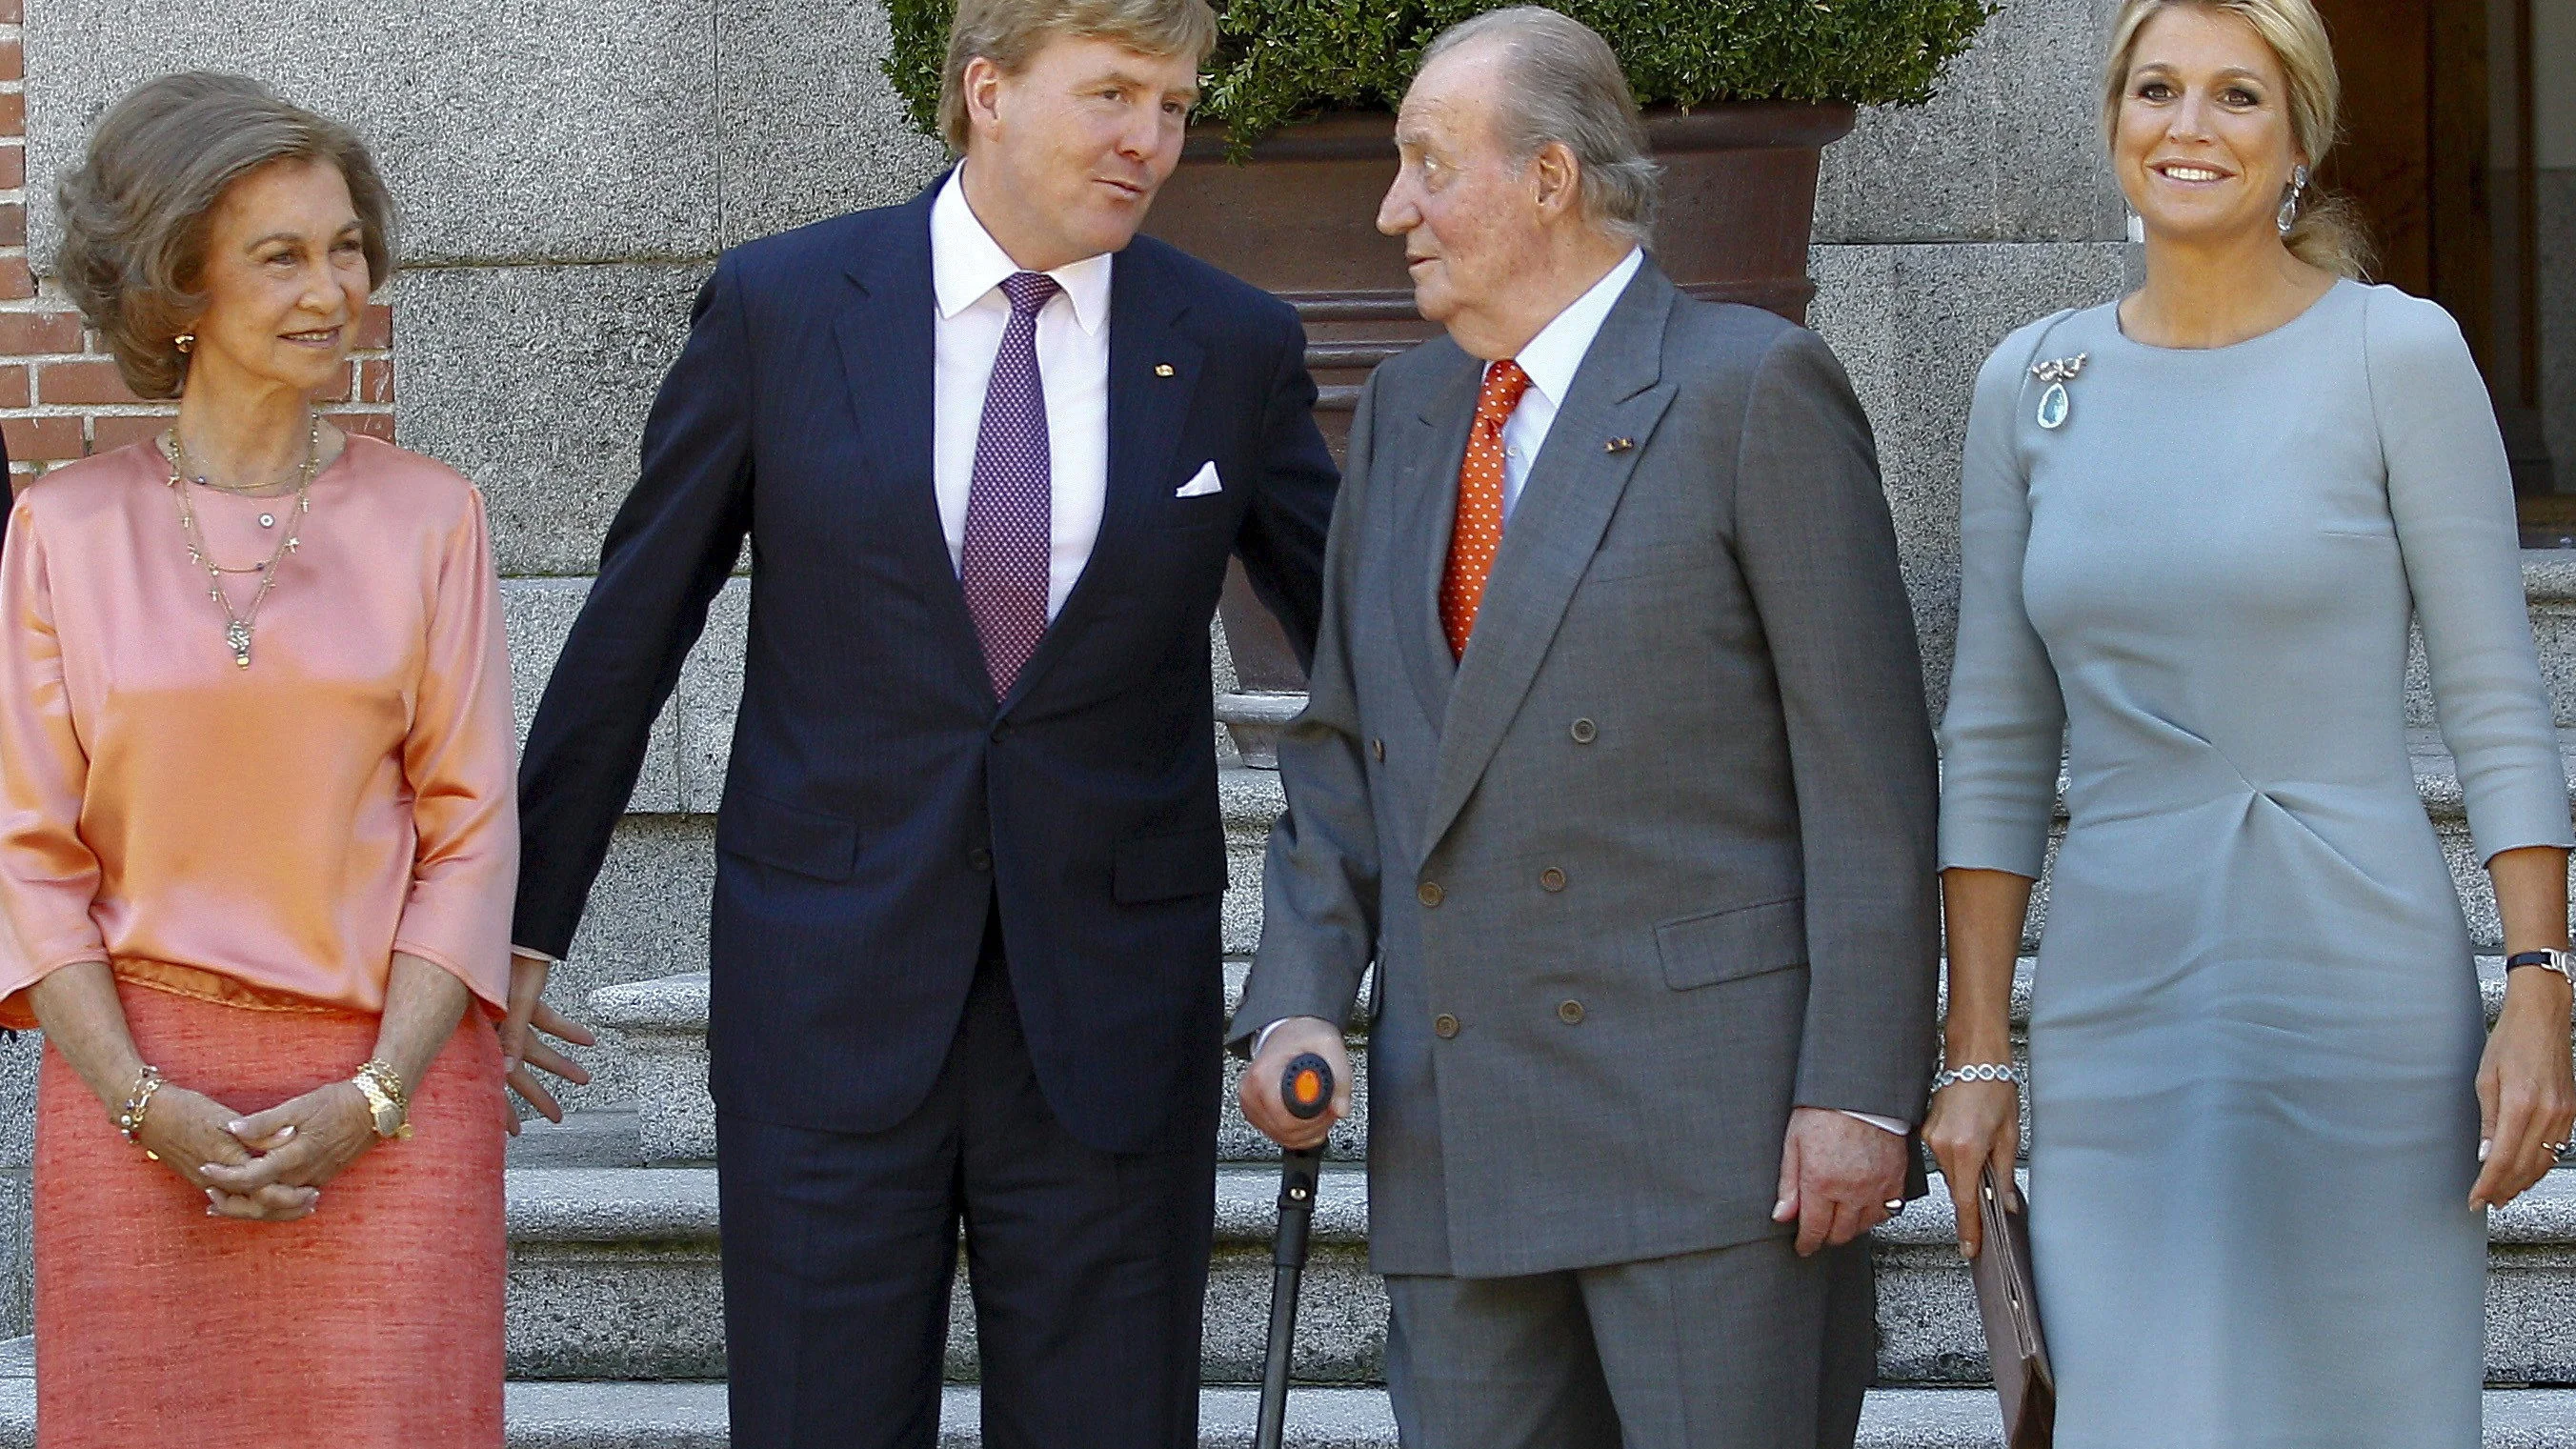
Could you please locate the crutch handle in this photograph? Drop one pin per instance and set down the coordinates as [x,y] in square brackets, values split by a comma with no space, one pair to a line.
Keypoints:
[1306,1088]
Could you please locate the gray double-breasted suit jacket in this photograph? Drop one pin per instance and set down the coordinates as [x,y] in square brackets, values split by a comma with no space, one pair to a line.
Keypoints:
[1654,862]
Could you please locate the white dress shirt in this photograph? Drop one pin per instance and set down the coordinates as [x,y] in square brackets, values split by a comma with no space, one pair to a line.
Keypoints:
[1551,359]
[967,268]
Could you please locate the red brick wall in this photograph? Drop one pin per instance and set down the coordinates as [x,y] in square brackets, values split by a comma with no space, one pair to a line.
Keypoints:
[60,397]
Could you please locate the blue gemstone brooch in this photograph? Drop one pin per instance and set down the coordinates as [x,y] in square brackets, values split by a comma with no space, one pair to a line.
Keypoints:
[2057,372]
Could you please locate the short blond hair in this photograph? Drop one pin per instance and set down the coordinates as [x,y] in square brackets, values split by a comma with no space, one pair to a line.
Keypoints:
[1010,33]
[2328,233]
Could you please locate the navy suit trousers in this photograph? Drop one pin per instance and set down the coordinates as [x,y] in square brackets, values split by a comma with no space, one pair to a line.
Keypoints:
[1088,1268]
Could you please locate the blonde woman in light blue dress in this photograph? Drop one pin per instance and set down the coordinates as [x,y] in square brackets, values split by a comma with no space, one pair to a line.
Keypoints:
[2196,526]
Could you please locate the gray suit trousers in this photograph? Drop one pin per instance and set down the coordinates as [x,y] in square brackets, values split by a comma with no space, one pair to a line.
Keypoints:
[1747,1347]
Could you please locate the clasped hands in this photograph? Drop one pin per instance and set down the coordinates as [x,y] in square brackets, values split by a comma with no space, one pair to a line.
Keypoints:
[266,1167]
[1837,1174]
[271,1166]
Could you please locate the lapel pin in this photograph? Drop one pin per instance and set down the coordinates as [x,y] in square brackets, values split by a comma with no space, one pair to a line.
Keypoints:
[2057,372]
[1162,369]
[1619,445]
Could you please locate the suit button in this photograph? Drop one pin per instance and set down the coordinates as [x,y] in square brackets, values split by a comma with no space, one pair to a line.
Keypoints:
[1570,1012]
[1377,750]
[1444,1026]
[1430,893]
[980,858]
[1585,732]
[1551,879]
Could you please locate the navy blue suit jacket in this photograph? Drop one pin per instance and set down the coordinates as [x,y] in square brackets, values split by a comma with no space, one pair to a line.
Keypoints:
[880,799]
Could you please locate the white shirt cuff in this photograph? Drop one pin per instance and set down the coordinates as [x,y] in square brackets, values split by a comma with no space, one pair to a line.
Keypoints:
[1883,1124]
[534,955]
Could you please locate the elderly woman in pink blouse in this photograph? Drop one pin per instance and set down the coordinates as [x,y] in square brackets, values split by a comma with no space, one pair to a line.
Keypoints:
[257,833]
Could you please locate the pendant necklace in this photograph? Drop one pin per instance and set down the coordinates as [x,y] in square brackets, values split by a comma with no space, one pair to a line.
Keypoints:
[238,626]
[2054,404]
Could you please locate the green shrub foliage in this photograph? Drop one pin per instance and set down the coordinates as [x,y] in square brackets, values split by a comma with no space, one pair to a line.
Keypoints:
[1280,60]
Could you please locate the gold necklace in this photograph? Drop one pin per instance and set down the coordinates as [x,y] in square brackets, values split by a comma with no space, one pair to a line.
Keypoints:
[237,627]
[175,450]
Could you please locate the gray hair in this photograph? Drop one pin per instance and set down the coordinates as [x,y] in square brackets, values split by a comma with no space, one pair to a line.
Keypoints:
[135,211]
[1566,86]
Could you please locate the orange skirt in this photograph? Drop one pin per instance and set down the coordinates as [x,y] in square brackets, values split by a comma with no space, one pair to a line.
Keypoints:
[373,1324]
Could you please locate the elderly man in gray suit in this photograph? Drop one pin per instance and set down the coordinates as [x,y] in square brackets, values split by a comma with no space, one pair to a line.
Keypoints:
[1617,764]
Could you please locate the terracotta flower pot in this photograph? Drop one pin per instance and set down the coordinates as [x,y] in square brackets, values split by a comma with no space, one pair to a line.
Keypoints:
[1300,220]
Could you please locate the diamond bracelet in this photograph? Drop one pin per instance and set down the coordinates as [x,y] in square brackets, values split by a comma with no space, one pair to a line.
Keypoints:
[1980,1072]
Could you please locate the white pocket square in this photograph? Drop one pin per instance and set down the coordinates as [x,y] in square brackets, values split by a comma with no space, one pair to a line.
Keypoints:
[1202,483]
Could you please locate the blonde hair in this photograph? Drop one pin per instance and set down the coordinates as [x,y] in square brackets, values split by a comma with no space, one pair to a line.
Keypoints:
[2328,232]
[1010,33]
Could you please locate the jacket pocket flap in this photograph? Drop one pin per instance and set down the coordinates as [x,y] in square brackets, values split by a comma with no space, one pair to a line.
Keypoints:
[1167,867]
[1732,944]
[807,842]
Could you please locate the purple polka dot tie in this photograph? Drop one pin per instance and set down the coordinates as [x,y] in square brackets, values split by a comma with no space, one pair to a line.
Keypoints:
[1006,564]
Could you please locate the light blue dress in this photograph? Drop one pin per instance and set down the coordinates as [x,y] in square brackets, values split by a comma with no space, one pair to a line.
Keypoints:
[2256,1028]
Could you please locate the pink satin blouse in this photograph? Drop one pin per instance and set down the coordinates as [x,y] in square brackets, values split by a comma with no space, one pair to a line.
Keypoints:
[283,828]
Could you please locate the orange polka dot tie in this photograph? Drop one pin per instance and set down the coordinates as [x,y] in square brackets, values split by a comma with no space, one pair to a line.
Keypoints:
[1479,529]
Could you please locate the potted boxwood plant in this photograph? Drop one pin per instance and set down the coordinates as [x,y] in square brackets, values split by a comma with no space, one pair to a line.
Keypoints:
[1292,149]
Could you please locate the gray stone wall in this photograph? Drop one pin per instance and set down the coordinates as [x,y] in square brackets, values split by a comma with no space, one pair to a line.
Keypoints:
[567,170]
[1942,228]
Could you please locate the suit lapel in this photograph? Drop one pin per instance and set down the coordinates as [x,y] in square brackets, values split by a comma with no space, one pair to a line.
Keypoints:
[888,337]
[1435,449]
[1573,488]
[1146,414]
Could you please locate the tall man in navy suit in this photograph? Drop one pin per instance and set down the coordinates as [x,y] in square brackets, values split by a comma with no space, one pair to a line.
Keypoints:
[992,452]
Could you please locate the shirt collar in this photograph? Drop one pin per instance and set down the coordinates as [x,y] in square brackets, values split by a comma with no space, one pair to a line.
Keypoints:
[966,264]
[1552,357]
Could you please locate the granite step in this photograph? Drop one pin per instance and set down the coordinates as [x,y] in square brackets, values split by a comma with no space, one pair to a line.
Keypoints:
[615,1274]
[629,1415]
[663,1027]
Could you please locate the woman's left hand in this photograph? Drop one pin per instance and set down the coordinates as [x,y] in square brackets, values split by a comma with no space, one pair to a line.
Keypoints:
[2526,1089]
[302,1143]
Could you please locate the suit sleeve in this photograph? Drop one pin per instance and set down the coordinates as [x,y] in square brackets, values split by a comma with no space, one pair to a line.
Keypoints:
[668,552]
[1818,552]
[1319,921]
[1282,542]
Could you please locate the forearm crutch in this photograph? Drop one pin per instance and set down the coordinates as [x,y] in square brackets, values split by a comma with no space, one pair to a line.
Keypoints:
[1305,1089]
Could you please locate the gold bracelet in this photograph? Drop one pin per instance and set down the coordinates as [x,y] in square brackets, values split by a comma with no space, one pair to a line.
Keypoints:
[138,1105]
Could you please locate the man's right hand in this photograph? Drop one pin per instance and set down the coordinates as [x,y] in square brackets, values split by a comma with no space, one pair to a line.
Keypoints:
[1259,1090]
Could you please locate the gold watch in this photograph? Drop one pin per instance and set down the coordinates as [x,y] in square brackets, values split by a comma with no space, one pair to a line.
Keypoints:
[386,1102]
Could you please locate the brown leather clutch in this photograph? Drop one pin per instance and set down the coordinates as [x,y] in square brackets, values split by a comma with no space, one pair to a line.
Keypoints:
[2011,1310]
